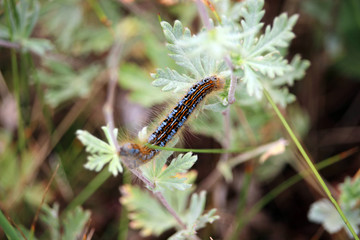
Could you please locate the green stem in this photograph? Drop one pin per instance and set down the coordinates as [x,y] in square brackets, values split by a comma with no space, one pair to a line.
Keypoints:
[8,228]
[217,150]
[309,162]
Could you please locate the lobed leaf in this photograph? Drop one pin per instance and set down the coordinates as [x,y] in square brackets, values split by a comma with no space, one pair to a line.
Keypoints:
[101,152]
[171,80]
[146,213]
[50,217]
[295,73]
[278,36]
[170,178]
[269,65]
[74,223]
[252,13]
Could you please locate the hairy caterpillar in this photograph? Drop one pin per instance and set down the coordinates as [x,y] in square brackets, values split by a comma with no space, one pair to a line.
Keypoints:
[136,154]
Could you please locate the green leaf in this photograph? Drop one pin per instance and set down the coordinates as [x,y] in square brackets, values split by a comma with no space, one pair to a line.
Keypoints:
[147,213]
[154,168]
[350,193]
[324,212]
[276,37]
[269,65]
[216,43]
[172,35]
[62,19]
[101,152]
[170,178]
[64,83]
[194,219]
[74,223]
[185,51]
[252,13]
[37,45]
[50,217]
[253,85]
[171,80]
[295,73]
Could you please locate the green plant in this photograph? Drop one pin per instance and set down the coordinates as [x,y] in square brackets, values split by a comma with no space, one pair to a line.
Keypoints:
[258,61]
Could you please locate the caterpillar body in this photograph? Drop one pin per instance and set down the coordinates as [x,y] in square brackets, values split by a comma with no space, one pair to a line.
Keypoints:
[136,154]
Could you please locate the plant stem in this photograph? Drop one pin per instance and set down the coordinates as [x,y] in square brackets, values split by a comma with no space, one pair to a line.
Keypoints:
[309,162]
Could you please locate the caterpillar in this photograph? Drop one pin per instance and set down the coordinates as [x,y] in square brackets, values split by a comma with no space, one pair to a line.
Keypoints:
[136,154]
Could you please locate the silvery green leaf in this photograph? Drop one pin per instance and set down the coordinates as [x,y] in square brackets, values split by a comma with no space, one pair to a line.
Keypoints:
[179,53]
[96,162]
[171,80]
[324,212]
[253,85]
[217,42]
[295,73]
[93,144]
[101,152]
[278,36]
[271,65]
[252,13]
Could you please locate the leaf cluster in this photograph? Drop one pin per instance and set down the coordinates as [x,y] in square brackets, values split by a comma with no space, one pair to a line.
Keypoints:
[258,58]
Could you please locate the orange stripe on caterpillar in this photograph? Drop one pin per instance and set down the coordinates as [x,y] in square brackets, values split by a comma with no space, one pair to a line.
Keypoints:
[136,155]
